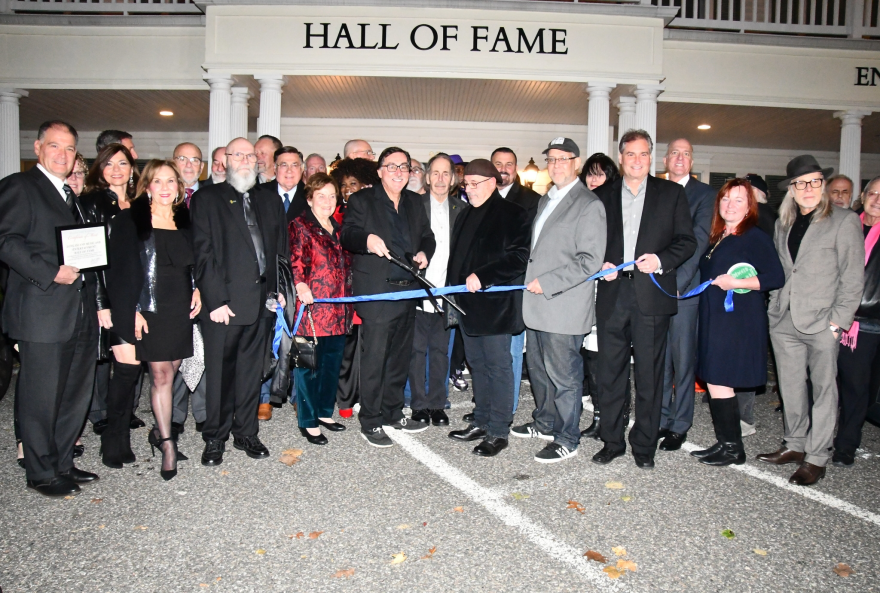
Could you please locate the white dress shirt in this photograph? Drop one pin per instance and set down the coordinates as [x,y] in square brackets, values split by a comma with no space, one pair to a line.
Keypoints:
[58,183]
[436,272]
[505,190]
[555,196]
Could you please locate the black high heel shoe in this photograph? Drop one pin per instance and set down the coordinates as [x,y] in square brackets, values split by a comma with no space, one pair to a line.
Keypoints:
[332,426]
[166,474]
[313,439]
[154,438]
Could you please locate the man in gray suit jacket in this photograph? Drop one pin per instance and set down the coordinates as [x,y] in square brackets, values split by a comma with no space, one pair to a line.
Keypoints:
[677,414]
[822,251]
[568,246]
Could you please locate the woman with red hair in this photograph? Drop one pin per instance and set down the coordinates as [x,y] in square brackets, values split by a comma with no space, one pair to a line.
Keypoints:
[732,346]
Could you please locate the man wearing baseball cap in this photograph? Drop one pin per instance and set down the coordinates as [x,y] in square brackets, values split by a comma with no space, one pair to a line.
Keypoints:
[489,247]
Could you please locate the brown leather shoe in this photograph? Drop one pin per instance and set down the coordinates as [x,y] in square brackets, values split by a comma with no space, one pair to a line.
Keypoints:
[781,457]
[264,412]
[807,474]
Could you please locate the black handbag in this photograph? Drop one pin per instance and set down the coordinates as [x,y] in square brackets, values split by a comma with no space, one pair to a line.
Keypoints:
[303,351]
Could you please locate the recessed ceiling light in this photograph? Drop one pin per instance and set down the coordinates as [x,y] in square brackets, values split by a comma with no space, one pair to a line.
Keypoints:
[166,113]
[703,127]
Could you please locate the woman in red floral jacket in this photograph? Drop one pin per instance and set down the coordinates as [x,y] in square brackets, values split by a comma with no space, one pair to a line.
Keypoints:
[321,269]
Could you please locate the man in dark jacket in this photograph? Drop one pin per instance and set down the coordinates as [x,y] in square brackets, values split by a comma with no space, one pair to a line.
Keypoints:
[490,247]
[382,219]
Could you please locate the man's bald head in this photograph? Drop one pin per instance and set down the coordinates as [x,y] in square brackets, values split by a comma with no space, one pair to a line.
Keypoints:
[358,149]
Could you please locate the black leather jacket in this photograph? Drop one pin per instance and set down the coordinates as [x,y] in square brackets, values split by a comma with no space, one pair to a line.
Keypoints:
[100,206]
[869,308]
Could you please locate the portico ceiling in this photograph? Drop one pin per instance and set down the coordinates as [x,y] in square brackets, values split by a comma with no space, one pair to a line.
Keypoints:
[443,100]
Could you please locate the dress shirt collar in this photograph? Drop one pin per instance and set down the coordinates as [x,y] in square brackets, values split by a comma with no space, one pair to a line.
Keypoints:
[505,190]
[640,191]
[684,180]
[58,183]
[290,192]
[557,193]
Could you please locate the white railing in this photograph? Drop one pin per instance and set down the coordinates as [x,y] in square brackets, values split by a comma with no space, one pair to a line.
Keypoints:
[834,18]
[122,7]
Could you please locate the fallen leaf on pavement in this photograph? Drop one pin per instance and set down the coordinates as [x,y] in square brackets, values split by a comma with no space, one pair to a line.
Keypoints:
[315,534]
[141,527]
[458,509]
[760,552]
[68,498]
[403,526]
[614,485]
[728,534]
[626,498]
[293,452]
[260,552]
[204,585]
[343,573]
[298,535]
[573,504]
[619,551]
[430,553]
[519,496]
[101,526]
[424,524]
[612,572]
[843,570]
[626,565]
[224,473]
[596,556]
[97,500]
[398,558]
[290,456]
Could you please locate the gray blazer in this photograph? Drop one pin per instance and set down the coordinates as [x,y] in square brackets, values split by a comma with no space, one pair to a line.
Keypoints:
[570,248]
[825,284]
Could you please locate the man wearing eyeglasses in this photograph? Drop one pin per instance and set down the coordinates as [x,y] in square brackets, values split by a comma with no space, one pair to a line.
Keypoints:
[265,150]
[188,158]
[358,149]
[416,178]
[239,231]
[379,220]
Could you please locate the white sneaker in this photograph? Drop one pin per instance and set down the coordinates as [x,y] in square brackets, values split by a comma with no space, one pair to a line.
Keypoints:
[356,408]
[746,428]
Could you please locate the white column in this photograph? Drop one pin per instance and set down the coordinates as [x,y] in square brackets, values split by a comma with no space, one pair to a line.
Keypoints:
[851,145]
[597,118]
[626,117]
[646,113]
[239,118]
[219,133]
[10,141]
[270,105]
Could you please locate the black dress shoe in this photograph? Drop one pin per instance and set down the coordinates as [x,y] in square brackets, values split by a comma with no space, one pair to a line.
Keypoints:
[469,417]
[56,486]
[251,445]
[20,462]
[606,455]
[490,447]
[78,476]
[592,431]
[471,433]
[315,439]
[643,461]
[673,441]
[439,418]
[199,426]
[332,426]
[99,427]
[843,459]
[78,451]
[421,416]
[727,454]
[706,452]
[136,423]
[664,432]
[213,453]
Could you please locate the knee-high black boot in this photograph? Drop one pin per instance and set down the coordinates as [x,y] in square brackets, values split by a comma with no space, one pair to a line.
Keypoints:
[726,419]
[116,439]
[719,438]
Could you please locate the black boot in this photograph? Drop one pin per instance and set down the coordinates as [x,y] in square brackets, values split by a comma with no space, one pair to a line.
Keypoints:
[115,440]
[726,420]
[713,410]
[592,431]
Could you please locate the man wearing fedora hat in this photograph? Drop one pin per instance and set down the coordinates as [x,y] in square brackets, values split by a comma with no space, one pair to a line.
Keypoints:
[822,253]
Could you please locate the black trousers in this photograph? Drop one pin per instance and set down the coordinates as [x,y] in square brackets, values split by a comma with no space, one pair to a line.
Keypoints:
[431,339]
[492,374]
[628,330]
[55,391]
[385,348]
[233,369]
[348,388]
[456,361]
[854,386]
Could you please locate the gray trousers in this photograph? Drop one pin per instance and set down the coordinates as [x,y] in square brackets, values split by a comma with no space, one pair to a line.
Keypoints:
[795,351]
[677,413]
[556,373]
[181,397]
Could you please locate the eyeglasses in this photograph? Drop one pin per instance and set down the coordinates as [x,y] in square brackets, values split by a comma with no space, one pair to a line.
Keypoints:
[240,156]
[369,153]
[193,159]
[78,174]
[471,185]
[391,168]
[291,166]
[803,184]
[872,194]
[417,170]
[561,160]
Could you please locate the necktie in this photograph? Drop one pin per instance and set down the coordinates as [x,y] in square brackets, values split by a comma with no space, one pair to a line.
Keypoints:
[286,202]
[189,195]
[71,203]
[254,229]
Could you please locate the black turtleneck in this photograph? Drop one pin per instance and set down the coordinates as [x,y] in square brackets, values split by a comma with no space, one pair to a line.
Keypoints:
[798,230]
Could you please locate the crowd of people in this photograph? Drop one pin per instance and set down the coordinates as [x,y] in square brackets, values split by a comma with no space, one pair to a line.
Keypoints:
[612,269]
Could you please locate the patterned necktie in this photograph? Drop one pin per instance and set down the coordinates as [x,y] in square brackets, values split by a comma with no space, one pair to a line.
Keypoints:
[189,195]
[71,203]
[286,202]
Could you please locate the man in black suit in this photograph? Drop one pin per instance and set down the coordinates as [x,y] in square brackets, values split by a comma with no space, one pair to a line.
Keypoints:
[218,167]
[238,233]
[378,219]
[677,414]
[490,246]
[649,222]
[51,310]
[265,148]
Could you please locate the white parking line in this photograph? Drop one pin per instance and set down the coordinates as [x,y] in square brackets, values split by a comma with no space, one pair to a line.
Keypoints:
[508,515]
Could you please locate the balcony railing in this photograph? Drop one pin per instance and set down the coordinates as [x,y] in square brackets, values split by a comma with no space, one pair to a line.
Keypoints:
[118,7]
[856,19]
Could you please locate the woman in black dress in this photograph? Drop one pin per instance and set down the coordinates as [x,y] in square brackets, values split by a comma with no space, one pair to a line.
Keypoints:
[151,288]
[733,345]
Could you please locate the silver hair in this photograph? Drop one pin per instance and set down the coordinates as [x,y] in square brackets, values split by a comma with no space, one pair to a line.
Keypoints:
[789,208]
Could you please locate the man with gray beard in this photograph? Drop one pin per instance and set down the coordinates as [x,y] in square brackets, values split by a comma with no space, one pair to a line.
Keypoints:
[238,233]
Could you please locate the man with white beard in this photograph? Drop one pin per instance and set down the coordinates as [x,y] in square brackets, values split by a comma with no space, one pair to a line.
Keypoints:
[239,230]
[416,178]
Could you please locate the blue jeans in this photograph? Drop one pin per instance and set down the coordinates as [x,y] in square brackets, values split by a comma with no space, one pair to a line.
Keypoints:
[516,352]
[490,360]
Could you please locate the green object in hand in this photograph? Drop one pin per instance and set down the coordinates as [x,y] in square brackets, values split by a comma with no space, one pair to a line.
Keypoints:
[742,271]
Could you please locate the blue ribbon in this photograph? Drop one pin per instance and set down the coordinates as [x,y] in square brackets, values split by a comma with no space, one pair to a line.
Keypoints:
[728,300]
[281,326]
